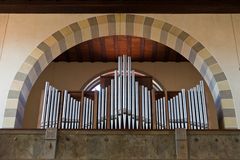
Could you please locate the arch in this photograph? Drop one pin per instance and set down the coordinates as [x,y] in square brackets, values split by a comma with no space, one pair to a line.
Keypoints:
[95,80]
[119,24]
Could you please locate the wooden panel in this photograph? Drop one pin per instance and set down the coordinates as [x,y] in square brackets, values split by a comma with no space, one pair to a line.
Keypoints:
[106,49]
[119,6]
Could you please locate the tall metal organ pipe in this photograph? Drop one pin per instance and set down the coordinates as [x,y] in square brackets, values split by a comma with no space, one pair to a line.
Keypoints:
[124,102]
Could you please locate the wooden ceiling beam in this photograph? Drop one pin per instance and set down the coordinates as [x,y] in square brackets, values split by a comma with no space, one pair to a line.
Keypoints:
[106,49]
[119,6]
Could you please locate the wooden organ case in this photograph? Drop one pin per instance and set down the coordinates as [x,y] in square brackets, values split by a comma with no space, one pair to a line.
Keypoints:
[124,101]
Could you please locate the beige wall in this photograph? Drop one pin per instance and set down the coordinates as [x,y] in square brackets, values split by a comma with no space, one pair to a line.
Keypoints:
[72,76]
[25,31]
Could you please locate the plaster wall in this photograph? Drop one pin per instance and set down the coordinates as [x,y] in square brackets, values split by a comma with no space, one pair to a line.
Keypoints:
[25,31]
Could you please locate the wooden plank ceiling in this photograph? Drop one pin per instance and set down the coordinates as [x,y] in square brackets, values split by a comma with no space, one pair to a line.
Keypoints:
[106,49]
[119,6]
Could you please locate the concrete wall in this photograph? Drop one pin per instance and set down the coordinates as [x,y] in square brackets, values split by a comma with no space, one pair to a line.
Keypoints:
[79,144]
[73,76]
[25,32]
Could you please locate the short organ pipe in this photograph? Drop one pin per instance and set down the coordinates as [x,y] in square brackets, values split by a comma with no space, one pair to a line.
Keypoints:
[125,101]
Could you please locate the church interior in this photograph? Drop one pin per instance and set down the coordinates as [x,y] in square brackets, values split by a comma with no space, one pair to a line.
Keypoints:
[119,80]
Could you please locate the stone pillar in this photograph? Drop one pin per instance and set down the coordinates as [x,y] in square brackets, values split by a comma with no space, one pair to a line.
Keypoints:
[181,144]
[50,143]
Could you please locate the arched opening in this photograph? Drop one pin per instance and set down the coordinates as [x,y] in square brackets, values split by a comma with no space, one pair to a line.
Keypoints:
[71,73]
[94,84]
[120,24]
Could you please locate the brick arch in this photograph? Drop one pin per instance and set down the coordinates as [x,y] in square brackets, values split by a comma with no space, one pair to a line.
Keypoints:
[119,24]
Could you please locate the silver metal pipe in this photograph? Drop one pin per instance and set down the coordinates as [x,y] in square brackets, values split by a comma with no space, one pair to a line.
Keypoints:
[73,113]
[146,107]
[55,113]
[48,107]
[120,106]
[192,123]
[196,107]
[158,113]
[164,114]
[170,114]
[190,109]
[204,105]
[149,110]
[143,107]
[161,112]
[184,103]
[84,112]
[174,112]
[173,116]
[133,100]
[67,111]
[92,115]
[129,94]
[44,107]
[156,106]
[57,108]
[181,114]
[124,92]
[99,108]
[103,106]
[89,114]
[193,109]
[201,121]
[64,109]
[137,105]
[177,112]
[78,114]
[112,104]
[70,113]
[51,108]
[115,99]
[55,117]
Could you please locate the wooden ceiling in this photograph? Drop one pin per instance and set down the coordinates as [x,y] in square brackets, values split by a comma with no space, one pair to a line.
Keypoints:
[119,6]
[106,49]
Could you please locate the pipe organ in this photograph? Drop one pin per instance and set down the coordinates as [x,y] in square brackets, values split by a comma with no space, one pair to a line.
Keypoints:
[124,101]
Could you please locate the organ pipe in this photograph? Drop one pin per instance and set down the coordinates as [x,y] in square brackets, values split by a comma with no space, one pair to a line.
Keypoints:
[112,104]
[124,102]
[133,101]
[137,105]
[115,99]
[204,105]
